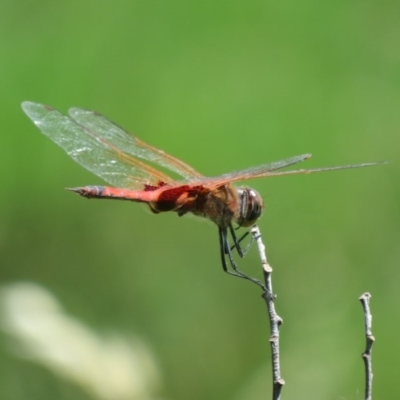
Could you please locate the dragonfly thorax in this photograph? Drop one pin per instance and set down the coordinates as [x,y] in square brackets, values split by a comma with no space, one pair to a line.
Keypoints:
[250,206]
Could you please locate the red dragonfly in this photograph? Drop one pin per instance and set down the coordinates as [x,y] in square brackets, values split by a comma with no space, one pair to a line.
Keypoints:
[116,156]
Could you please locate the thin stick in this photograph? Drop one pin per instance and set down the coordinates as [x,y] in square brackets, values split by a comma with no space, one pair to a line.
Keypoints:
[365,298]
[275,320]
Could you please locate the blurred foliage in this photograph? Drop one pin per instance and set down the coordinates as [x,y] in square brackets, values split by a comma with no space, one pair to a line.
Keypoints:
[222,85]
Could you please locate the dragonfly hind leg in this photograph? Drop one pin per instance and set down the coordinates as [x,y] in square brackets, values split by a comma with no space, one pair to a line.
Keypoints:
[226,249]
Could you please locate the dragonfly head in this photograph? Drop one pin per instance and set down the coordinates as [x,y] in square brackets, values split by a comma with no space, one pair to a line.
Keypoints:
[250,206]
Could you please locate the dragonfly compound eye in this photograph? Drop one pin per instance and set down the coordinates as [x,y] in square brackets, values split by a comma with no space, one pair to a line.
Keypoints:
[251,206]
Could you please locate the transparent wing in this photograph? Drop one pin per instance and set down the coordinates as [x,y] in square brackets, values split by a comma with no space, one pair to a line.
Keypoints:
[111,153]
[269,169]
[121,139]
[92,151]
[252,172]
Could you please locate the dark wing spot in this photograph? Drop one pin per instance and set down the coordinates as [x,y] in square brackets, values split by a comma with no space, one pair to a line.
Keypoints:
[151,188]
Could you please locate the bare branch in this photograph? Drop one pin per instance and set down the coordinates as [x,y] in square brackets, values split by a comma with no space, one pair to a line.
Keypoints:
[274,319]
[365,298]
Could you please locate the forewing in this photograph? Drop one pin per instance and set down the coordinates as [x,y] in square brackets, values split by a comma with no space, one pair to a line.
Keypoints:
[254,172]
[131,145]
[267,170]
[94,152]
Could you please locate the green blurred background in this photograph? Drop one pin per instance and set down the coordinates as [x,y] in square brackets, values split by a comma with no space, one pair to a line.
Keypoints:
[222,85]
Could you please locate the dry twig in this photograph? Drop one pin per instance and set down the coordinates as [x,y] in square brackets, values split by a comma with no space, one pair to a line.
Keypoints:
[365,298]
[274,319]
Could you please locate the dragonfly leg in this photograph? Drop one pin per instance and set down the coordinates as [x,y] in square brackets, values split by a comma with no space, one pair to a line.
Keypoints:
[236,242]
[226,250]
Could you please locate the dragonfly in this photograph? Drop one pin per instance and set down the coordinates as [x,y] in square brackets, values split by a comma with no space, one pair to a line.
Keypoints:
[124,161]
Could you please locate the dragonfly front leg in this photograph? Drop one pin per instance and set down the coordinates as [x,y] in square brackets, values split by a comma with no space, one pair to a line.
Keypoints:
[236,242]
[225,249]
